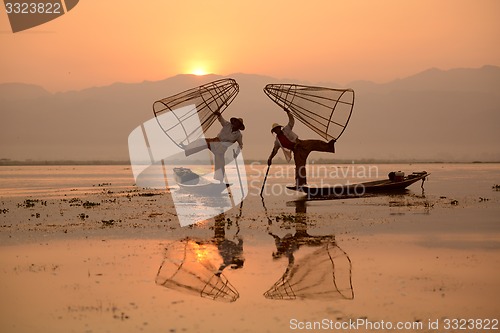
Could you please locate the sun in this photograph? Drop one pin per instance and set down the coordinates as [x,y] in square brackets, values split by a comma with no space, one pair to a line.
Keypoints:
[198,67]
[199,71]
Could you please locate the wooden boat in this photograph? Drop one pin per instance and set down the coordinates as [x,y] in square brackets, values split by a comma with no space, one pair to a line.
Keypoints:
[191,182]
[360,189]
[204,188]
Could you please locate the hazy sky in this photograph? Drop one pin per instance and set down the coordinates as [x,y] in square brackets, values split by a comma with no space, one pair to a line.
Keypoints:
[102,42]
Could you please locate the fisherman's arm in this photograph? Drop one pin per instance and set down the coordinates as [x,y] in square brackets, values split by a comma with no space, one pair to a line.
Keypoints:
[273,153]
[240,141]
[220,118]
[291,120]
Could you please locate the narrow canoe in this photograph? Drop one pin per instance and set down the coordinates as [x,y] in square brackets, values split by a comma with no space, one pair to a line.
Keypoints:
[360,189]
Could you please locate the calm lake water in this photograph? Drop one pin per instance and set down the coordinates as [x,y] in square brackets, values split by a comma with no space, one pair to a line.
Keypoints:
[271,265]
[457,178]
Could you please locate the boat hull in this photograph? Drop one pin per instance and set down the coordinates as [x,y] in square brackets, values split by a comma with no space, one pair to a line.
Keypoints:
[193,183]
[204,189]
[360,189]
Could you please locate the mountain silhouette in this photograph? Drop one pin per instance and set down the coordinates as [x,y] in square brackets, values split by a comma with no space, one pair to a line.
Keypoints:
[450,115]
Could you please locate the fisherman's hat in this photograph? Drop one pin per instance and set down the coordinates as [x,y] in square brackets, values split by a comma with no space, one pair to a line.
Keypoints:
[274,126]
[240,120]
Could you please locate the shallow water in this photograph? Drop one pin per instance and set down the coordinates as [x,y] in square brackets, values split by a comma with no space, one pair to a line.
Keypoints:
[425,255]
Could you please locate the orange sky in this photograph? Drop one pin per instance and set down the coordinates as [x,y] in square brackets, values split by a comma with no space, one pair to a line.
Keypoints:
[102,42]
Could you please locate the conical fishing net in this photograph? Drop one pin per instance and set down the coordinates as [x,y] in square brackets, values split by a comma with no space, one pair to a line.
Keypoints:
[195,109]
[323,274]
[324,110]
[188,267]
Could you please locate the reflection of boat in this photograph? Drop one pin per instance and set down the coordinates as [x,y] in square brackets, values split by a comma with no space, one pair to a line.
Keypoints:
[190,181]
[359,189]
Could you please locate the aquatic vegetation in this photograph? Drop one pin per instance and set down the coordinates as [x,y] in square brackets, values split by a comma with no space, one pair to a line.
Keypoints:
[29,203]
[74,202]
[102,184]
[107,223]
[89,204]
[285,218]
[149,194]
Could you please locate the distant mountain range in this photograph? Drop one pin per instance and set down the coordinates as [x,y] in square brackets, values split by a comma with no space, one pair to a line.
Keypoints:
[435,115]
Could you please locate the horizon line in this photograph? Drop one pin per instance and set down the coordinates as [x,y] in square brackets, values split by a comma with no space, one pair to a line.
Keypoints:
[244,73]
[70,162]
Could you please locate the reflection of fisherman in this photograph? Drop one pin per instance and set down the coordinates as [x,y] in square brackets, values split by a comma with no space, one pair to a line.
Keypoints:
[323,272]
[229,134]
[189,265]
[287,245]
[290,142]
[230,251]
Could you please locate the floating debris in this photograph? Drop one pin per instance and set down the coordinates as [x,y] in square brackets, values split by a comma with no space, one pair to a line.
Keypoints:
[496,187]
[481,199]
[454,202]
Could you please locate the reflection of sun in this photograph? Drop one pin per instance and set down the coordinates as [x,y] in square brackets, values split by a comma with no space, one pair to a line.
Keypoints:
[201,253]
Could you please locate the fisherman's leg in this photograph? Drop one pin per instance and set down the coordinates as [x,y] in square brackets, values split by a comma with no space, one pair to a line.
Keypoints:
[300,219]
[300,158]
[220,228]
[219,170]
[318,145]
[197,146]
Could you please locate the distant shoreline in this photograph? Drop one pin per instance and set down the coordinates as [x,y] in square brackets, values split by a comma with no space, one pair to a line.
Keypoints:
[7,162]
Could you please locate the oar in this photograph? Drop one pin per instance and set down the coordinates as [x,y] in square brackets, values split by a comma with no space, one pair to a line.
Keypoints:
[239,176]
[265,178]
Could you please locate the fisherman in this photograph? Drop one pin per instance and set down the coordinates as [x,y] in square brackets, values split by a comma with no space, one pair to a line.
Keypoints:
[229,134]
[289,142]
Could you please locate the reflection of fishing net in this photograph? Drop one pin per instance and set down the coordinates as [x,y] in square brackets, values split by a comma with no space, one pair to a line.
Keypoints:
[188,268]
[324,110]
[322,274]
[198,105]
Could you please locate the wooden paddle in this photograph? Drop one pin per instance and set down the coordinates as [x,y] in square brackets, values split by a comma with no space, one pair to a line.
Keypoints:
[265,178]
